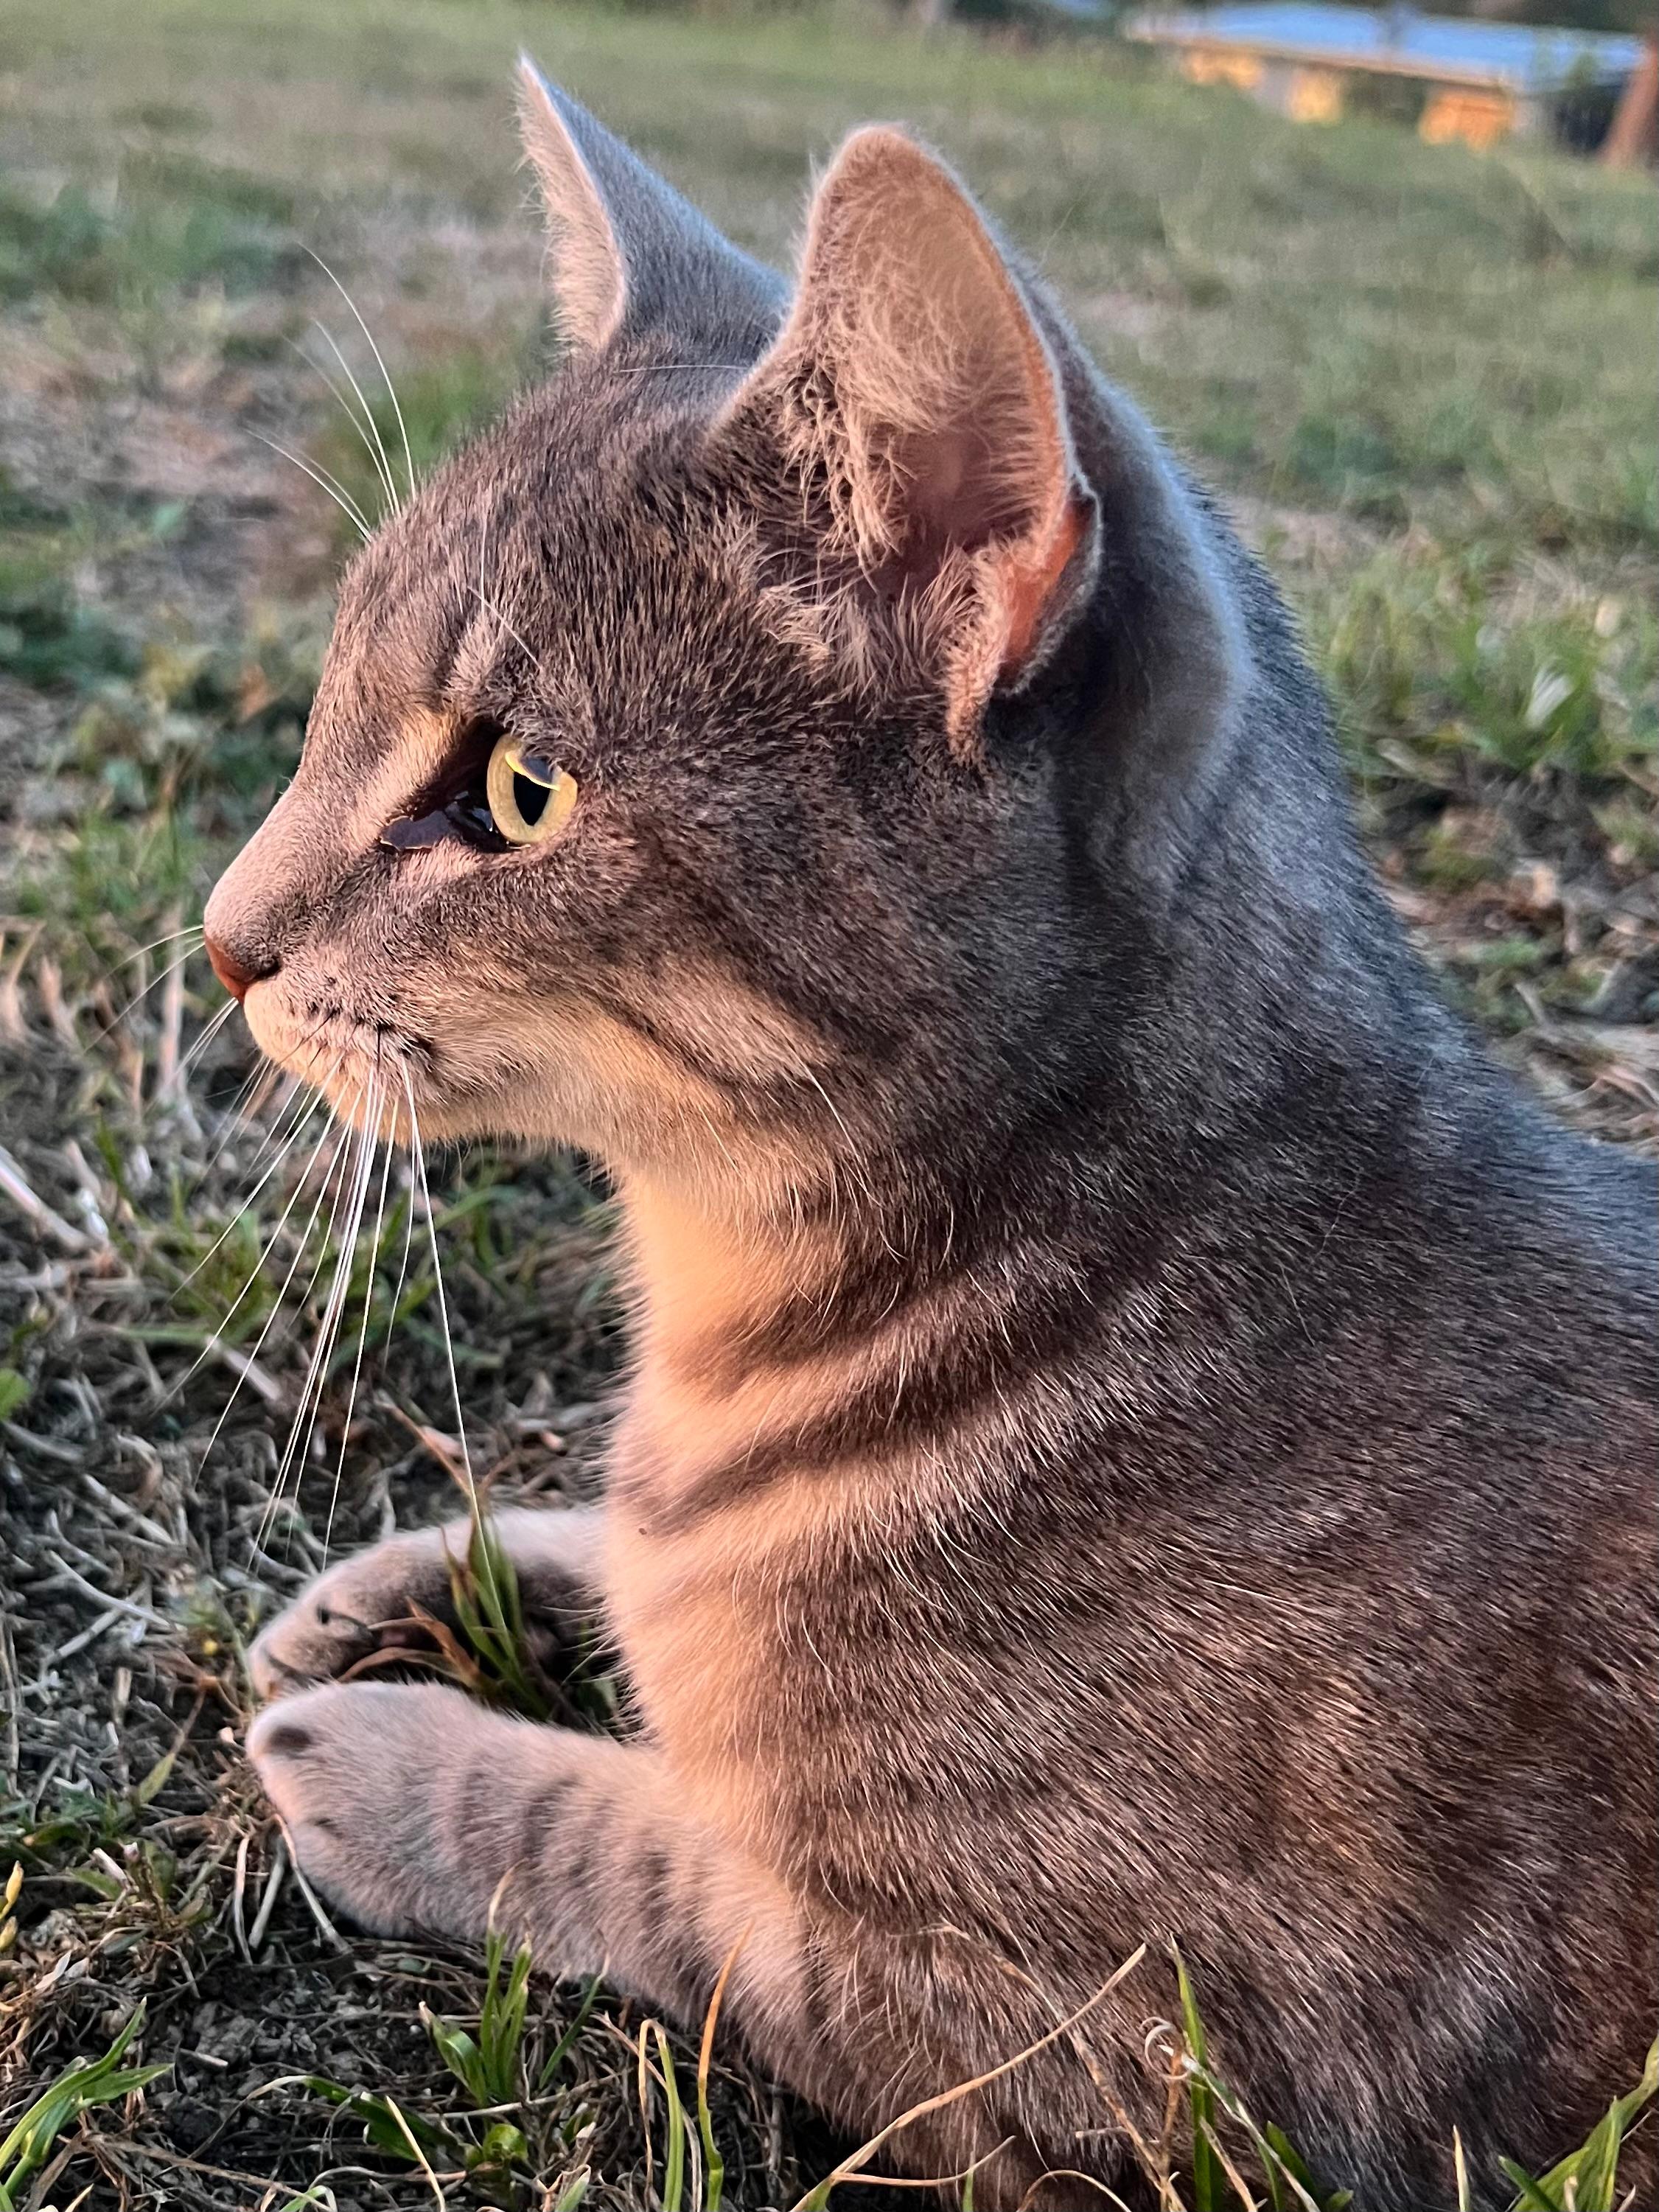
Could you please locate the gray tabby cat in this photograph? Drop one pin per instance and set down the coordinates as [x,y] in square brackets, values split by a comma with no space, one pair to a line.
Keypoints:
[1136,1430]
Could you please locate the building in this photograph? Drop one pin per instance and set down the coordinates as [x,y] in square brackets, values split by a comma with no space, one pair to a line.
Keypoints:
[1478,81]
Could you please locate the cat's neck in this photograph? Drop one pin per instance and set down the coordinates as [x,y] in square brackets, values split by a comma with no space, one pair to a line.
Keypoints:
[753,1334]
[708,1279]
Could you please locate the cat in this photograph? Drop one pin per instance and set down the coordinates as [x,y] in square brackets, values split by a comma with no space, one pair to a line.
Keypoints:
[1138,1433]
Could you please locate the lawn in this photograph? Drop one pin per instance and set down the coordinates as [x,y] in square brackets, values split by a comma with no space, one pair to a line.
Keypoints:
[1422,379]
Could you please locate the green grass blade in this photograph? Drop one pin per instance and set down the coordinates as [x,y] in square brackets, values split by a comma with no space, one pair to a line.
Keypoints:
[1591,2171]
[1529,2196]
[673,2162]
[567,2042]
[1201,2102]
[85,2083]
[500,2031]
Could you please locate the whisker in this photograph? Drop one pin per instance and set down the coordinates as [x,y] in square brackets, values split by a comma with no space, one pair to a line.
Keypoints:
[419,1151]
[249,1102]
[245,1112]
[491,608]
[272,1501]
[674,367]
[336,490]
[365,427]
[139,997]
[210,1030]
[353,1192]
[289,1142]
[270,1246]
[173,937]
[391,389]
[403,1264]
[362,1344]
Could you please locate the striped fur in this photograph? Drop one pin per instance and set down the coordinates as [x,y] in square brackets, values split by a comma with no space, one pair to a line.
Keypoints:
[1136,1431]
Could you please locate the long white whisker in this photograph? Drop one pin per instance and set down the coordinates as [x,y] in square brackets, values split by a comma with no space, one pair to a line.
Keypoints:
[293,1264]
[245,1114]
[209,1031]
[139,997]
[288,1143]
[403,1264]
[353,1193]
[419,1151]
[336,490]
[173,937]
[365,425]
[363,1344]
[275,1498]
[310,1290]
[391,388]
[250,1100]
[235,1306]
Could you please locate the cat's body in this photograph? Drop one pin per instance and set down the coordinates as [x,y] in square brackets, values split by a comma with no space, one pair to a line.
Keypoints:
[1136,1431]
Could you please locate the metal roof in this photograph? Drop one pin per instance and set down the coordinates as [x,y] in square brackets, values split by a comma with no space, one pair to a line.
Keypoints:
[1456,50]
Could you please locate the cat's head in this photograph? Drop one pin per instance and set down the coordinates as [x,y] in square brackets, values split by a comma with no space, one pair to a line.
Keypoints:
[729,763]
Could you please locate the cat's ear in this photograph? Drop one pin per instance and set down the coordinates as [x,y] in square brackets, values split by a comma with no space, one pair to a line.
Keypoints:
[913,383]
[628,254]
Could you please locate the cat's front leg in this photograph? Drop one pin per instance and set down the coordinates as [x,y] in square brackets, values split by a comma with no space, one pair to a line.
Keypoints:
[368,1601]
[415,1809]
[418,1811]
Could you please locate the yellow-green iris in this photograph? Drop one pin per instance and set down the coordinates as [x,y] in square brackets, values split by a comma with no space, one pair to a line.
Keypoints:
[529,799]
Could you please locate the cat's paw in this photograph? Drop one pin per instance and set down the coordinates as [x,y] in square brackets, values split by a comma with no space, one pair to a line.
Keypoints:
[363,1604]
[374,1783]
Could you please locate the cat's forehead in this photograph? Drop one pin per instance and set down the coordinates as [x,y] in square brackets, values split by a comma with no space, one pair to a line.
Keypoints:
[578,553]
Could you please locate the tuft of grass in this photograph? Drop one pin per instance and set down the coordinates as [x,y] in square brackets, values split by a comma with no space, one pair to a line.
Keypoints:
[81,2088]
[1587,2180]
[1223,2136]
[484,1591]
[494,2062]
[1432,671]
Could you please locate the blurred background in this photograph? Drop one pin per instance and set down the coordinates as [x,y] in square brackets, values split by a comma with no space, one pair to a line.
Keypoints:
[1388,280]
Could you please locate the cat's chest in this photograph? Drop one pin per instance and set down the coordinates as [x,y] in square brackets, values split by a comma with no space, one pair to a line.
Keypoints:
[726,1573]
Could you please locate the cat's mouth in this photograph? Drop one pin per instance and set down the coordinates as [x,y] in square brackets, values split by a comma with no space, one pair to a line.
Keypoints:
[374,1074]
[395,1078]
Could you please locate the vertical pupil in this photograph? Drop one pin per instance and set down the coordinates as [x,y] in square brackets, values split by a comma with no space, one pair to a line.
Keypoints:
[531,798]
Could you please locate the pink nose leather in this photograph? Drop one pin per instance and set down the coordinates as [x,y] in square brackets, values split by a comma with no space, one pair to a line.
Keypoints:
[235,978]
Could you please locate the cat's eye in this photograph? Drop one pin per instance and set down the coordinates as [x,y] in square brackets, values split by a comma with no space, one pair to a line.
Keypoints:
[530,796]
[505,791]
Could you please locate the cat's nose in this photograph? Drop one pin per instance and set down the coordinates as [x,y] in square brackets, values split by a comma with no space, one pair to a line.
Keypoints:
[237,976]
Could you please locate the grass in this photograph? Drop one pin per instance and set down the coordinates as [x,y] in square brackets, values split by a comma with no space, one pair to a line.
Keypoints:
[82,2086]
[1424,380]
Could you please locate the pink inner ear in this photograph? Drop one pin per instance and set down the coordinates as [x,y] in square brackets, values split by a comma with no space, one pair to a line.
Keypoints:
[1031,577]
[957,491]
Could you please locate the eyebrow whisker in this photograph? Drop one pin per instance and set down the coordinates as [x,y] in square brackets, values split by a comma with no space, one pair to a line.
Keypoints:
[364,424]
[386,375]
[325,481]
